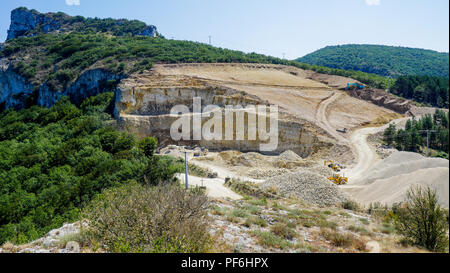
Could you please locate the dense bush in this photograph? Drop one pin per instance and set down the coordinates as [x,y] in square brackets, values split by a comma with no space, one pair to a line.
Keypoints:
[422,221]
[162,219]
[54,161]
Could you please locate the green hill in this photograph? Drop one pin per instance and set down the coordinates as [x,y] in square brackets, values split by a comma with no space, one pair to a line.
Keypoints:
[382,60]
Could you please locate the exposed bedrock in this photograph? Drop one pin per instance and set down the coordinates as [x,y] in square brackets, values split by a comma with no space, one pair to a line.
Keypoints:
[145,111]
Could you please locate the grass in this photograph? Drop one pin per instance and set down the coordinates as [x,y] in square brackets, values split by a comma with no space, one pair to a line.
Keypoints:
[360,230]
[365,221]
[80,237]
[351,205]
[254,220]
[241,213]
[258,202]
[252,209]
[327,224]
[344,240]
[283,231]
[216,210]
[269,239]
[387,228]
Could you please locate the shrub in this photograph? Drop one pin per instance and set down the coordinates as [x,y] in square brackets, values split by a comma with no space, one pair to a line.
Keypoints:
[351,205]
[422,221]
[343,239]
[256,221]
[271,240]
[283,231]
[162,219]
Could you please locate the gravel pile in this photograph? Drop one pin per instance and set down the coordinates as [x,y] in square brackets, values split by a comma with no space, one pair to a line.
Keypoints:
[290,156]
[249,160]
[388,181]
[257,173]
[402,163]
[311,187]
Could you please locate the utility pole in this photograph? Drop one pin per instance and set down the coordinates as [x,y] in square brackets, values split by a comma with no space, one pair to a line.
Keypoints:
[428,140]
[186,170]
[209,39]
[389,84]
[284,56]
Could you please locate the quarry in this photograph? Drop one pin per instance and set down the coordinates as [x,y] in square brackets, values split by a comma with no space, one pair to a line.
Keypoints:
[116,139]
[318,120]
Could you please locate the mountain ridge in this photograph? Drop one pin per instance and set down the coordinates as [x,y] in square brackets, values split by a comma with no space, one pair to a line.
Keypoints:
[382,60]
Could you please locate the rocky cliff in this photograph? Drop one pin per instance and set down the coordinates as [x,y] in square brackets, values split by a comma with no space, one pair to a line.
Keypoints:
[26,22]
[16,92]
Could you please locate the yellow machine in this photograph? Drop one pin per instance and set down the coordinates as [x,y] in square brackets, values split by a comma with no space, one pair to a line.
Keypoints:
[338,179]
[330,164]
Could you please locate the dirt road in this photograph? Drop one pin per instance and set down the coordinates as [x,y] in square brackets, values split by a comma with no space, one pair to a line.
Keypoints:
[322,117]
[366,156]
[214,187]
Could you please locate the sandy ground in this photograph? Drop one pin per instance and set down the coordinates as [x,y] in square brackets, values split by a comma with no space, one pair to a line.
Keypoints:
[214,187]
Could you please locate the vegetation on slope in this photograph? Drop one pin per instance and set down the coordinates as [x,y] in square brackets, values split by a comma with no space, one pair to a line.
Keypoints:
[162,219]
[422,221]
[59,59]
[414,137]
[54,161]
[423,89]
[381,60]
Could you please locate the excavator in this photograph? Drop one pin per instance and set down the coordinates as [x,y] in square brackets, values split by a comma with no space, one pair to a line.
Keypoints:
[332,165]
[355,85]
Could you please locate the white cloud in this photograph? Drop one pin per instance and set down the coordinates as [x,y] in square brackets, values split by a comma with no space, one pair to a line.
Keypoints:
[373,2]
[73,2]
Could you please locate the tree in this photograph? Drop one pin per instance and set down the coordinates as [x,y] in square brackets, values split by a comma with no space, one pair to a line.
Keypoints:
[422,221]
[389,134]
[148,146]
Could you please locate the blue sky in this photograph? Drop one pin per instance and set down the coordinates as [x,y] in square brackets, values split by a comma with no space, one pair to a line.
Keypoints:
[293,27]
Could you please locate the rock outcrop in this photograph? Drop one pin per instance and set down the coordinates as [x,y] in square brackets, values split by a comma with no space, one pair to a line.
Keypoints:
[26,22]
[382,98]
[16,92]
[14,89]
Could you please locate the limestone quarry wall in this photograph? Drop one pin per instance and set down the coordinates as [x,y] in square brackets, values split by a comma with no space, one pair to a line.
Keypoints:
[145,112]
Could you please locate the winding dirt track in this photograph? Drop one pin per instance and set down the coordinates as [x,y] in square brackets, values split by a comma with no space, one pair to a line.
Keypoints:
[322,118]
[366,156]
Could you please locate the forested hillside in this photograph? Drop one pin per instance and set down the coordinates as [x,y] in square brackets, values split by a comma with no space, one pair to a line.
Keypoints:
[426,89]
[54,161]
[414,137]
[382,60]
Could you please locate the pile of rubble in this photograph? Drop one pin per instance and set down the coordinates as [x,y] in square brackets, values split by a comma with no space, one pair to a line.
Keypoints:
[311,187]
